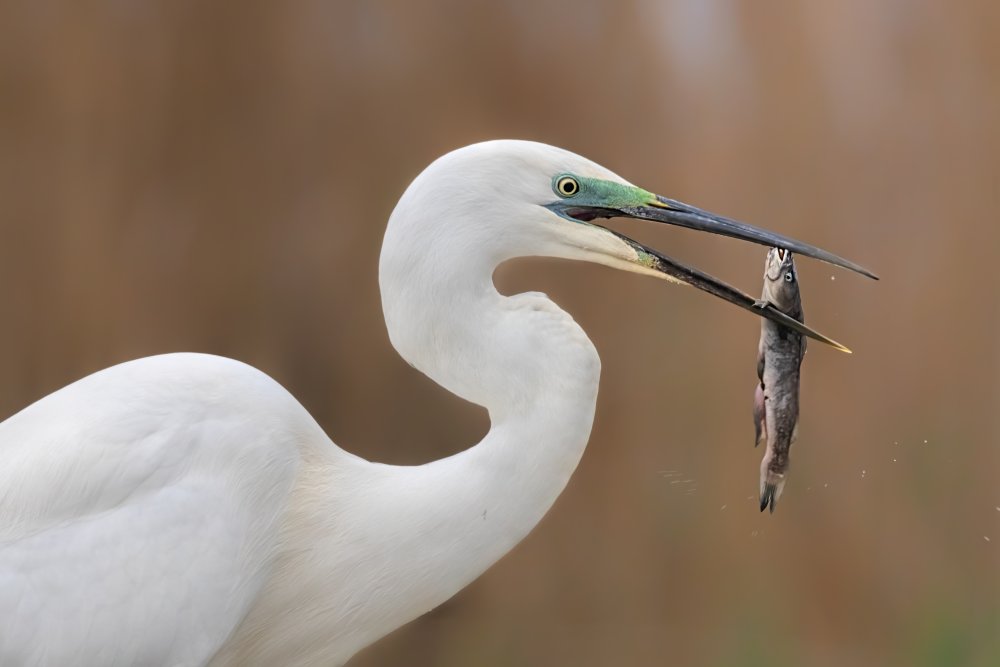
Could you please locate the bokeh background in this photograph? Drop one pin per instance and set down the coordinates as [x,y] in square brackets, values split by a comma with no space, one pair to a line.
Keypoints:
[216,177]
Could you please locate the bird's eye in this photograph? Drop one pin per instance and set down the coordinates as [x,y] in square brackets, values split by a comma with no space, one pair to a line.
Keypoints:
[567,186]
[790,277]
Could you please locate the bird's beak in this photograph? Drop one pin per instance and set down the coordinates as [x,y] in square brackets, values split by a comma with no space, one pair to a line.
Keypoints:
[670,211]
[648,260]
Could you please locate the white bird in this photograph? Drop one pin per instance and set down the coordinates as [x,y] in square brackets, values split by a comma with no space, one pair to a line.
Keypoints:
[185,509]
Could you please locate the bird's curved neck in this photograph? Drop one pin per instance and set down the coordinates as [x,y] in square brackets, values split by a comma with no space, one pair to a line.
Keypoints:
[368,546]
[535,370]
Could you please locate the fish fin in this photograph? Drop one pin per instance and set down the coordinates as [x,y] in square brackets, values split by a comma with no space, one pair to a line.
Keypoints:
[759,416]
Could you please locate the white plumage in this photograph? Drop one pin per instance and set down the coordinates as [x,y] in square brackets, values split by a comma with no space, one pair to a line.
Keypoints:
[186,510]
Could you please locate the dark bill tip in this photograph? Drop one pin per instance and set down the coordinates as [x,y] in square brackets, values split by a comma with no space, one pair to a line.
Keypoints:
[678,213]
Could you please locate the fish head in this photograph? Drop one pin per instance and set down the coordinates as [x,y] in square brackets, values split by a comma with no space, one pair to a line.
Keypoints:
[781,280]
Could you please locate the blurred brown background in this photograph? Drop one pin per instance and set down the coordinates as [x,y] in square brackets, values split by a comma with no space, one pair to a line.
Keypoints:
[216,177]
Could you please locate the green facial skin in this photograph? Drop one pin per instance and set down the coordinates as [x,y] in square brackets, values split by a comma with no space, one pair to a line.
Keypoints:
[599,193]
[581,199]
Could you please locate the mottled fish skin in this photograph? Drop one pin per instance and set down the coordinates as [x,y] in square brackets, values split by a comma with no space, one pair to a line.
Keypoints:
[779,356]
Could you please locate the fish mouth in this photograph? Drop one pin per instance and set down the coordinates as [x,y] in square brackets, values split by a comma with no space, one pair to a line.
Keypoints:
[777,260]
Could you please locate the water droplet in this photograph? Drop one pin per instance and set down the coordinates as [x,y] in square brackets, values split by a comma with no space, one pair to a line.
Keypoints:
[986,538]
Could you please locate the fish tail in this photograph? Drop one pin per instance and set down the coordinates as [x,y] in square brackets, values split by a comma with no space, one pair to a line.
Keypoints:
[771,485]
[767,497]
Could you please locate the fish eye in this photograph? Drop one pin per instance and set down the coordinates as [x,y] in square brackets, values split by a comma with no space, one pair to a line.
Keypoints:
[790,277]
[567,186]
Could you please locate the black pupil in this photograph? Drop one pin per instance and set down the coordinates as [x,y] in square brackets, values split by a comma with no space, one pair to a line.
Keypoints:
[568,187]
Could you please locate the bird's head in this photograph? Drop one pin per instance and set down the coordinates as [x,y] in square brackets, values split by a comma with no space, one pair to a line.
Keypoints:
[507,199]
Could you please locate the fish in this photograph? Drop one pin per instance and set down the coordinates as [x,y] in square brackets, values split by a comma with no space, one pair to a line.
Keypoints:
[779,360]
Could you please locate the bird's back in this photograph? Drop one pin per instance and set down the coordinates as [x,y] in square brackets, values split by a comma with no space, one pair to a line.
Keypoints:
[139,509]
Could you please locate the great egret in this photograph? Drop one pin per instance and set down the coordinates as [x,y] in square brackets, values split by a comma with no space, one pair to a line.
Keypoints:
[186,510]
